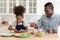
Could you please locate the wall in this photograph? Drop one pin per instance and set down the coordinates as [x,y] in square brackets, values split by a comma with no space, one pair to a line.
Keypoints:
[40,10]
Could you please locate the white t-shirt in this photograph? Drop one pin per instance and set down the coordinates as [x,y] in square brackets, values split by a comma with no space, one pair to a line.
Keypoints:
[24,23]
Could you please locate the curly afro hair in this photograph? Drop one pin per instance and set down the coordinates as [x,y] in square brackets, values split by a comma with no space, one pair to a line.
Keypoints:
[19,10]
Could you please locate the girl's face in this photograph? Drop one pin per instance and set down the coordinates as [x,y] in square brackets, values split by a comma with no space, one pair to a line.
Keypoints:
[19,18]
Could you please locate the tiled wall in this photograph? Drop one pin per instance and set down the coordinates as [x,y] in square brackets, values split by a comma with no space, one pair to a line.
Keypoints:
[31,18]
[28,18]
[9,18]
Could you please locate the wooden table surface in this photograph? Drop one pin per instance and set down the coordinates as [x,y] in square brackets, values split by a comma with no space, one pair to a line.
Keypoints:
[45,37]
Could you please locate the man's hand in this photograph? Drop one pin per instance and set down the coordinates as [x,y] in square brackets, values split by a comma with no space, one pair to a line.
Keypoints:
[49,30]
[55,31]
[33,25]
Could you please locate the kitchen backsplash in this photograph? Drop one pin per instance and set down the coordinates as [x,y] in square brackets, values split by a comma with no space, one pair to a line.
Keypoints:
[27,18]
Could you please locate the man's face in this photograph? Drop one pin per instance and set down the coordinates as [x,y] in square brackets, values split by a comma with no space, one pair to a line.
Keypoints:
[48,11]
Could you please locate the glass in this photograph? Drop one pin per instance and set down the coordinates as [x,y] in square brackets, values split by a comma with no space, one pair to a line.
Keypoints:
[10,10]
[14,0]
[34,0]
[34,10]
[2,6]
[30,4]
[20,3]
[30,0]
[14,4]
[24,3]
[20,0]
[4,10]
[10,4]
[24,0]
[10,0]
[0,10]
[34,3]
[1,1]
[30,10]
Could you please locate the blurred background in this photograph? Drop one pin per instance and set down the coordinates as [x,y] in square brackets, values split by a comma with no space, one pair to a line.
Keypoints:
[34,9]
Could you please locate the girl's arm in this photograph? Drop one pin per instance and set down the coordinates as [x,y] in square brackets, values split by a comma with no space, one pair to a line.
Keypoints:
[10,27]
[25,30]
[20,31]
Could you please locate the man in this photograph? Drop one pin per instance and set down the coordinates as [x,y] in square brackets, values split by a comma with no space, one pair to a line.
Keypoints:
[50,20]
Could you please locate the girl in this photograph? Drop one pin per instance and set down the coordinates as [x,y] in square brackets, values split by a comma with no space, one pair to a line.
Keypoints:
[19,25]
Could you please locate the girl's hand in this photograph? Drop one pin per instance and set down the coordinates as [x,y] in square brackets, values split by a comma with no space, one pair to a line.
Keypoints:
[10,28]
[16,31]
[21,31]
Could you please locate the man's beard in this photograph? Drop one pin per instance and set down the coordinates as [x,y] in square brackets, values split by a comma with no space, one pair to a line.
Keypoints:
[49,15]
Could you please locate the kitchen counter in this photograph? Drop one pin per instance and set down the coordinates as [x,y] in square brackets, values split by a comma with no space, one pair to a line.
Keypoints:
[45,37]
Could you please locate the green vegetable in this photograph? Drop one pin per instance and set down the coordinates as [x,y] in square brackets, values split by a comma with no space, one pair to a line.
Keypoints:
[26,34]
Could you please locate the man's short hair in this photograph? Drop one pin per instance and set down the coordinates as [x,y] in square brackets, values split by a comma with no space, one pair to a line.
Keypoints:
[50,5]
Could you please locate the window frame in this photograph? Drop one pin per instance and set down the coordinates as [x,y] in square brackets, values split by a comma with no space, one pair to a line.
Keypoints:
[17,3]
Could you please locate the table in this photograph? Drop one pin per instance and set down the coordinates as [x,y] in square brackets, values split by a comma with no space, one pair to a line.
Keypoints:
[32,37]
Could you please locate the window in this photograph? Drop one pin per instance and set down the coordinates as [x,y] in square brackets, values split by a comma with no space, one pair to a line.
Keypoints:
[32,6]
[22,2]
[6,6]
[2,6]
[12,3]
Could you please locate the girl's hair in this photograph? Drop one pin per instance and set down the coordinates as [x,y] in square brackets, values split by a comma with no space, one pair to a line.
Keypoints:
[19,10]
[20,15]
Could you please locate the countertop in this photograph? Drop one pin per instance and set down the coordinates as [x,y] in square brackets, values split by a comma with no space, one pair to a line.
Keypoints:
[32,37]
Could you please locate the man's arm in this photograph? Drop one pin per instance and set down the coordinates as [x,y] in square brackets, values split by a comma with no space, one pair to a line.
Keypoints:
[40,23]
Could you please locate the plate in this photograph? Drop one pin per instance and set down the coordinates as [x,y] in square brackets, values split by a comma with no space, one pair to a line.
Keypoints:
[6,34]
